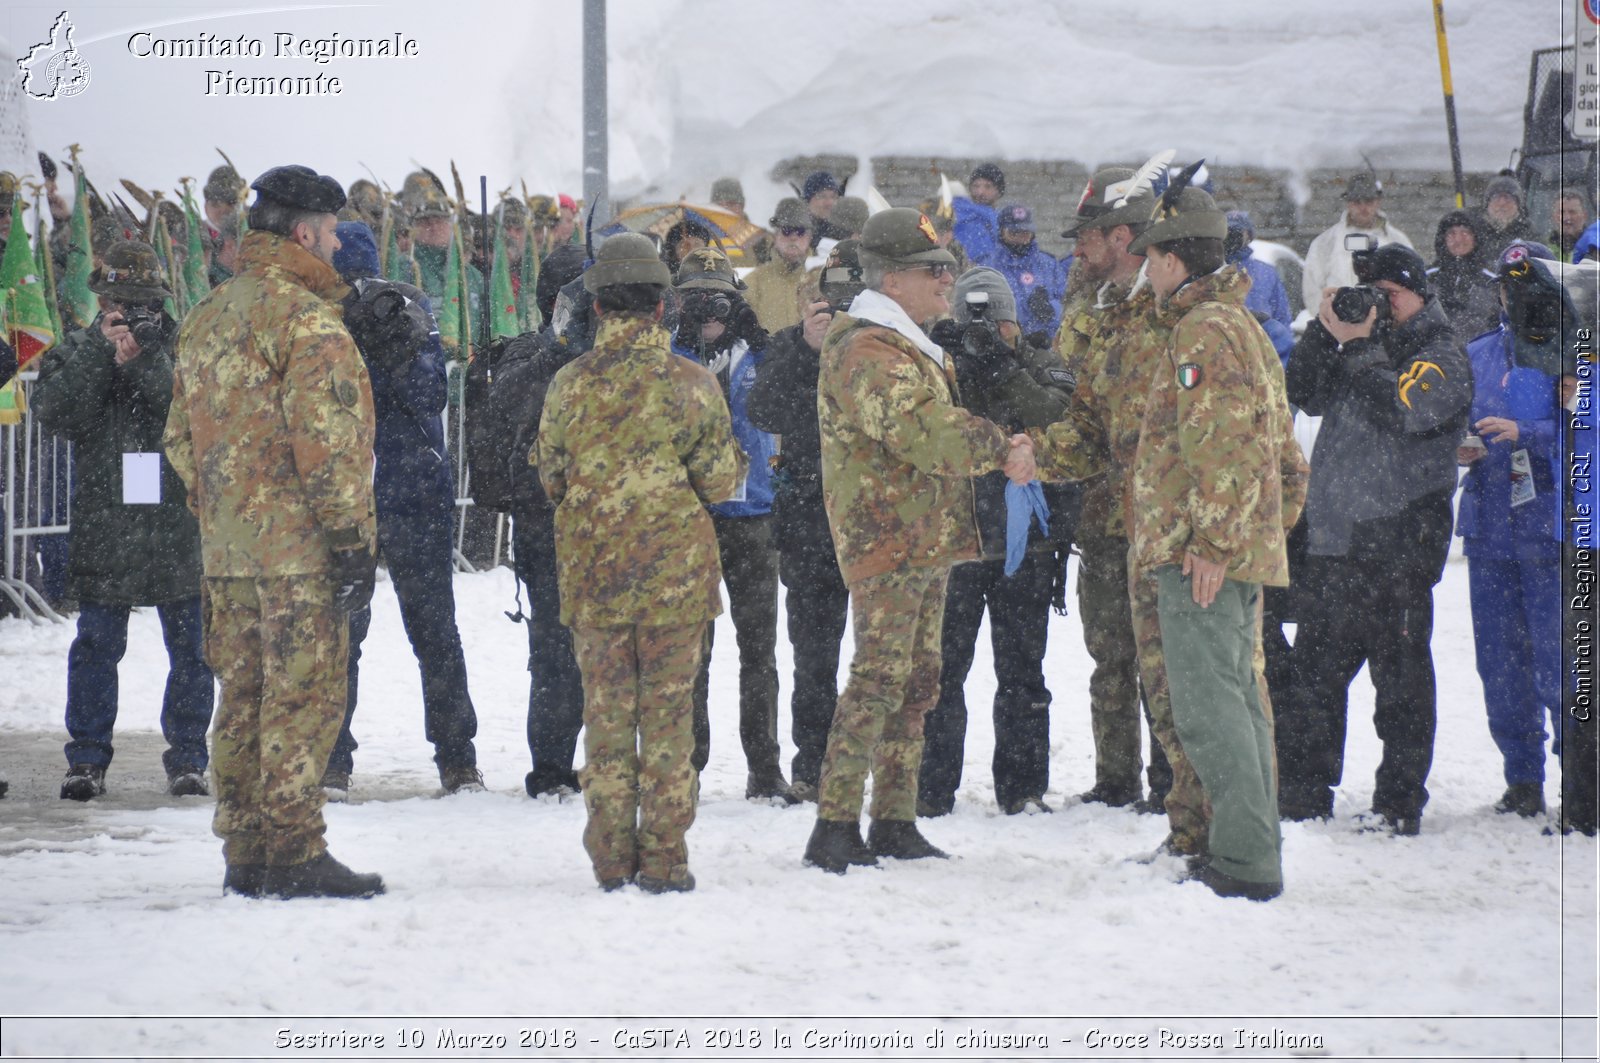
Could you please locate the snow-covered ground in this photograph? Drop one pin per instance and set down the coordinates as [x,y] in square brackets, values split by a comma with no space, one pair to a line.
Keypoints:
[114,908]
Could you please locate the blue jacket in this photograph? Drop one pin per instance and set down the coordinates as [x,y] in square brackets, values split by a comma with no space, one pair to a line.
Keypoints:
[1027,271]
[737,377]
[413,475]
[1266,296]
[976,226]
[1588,241]
[1486,520]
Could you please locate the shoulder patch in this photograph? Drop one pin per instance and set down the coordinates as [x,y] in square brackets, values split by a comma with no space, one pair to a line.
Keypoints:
[1413,378]
[1189,376]
[347,393]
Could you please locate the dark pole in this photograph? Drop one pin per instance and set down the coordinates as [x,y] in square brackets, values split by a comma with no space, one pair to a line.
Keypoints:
[1449,104]
[596,146]
[485,249]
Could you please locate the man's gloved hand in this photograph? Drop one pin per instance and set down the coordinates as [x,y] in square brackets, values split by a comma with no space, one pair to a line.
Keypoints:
[746,326]
[1039,304]
[355,573]
[387,327]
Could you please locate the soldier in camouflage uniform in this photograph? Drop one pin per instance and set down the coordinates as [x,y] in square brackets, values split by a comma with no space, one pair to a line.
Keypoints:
[271,430]
[1100,434]
[1218,479]
[897,457]
[633,444]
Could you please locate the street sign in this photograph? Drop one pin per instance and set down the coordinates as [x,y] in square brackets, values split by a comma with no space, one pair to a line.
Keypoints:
[1584,118]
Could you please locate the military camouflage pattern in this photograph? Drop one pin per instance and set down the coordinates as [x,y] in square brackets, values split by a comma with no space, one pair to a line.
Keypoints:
[279,648]
[271,425]
[1218,471]
[1188,812]
[1114,683]
[897,618]
[773,292]
[634,443]
[638,785]
[897,453]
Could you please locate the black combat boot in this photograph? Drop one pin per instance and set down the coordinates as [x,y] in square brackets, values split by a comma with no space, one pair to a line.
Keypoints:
[651,884]
[247,880]
[322,877]
[1526,799]
[836,844]
[901,840]
[1108,794]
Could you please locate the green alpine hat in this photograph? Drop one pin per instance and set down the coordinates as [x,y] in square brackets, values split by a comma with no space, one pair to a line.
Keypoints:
[791,214]
[850,214]
[1097,207]
[627,258]
[901,238]
[131,274]
[708,268]
[224,185]
[512,212]
[1194,215]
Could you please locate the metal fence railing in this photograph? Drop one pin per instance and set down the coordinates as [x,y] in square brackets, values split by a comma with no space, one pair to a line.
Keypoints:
[480,538]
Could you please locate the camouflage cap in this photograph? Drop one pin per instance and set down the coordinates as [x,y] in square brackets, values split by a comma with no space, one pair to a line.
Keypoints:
[982,280]
[511,212]
[131,274]
[1194,215]
[1364,185]
[627,258]
[708,268]
[727,190]
[301,187]
[1100,194]
[223,186]
[850,214]
[791,214]
[901,238]
[842,277]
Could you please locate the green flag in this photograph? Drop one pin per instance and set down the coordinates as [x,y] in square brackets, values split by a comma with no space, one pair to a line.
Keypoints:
[530,317]
[453,314]
[78,304]
[503,319]
[196,285]
[176,304]
[44,265]
[27,314]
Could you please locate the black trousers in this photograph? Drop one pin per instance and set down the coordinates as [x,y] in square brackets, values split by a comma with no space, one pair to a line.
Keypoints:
[816,604]
[555,688]
[1359,611]
[750,572]
[417,550]
[1019,620]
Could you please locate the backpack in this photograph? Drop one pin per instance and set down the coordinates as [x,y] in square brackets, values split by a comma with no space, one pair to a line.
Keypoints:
[505,390]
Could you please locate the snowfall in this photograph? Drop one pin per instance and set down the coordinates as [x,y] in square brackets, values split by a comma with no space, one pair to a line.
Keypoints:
[1475,940]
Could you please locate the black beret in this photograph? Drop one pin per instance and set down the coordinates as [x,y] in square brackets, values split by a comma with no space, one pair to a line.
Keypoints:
[302,187]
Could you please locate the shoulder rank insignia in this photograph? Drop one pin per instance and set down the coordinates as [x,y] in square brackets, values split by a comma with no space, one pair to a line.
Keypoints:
[1188,376]
[1413,378]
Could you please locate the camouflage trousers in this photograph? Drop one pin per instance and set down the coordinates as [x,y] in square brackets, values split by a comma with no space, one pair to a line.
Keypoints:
[639,786]
[1114,683]
[1187,811]
[898,621]
[279,648]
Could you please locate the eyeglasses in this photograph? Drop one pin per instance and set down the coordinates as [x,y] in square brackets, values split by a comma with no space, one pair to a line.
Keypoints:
[934,270]
[794,230]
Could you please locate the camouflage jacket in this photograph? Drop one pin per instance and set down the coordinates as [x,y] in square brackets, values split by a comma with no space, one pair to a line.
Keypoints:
[271,425]
[774,293]
[1113,342]
[1218,472]
[897,453]
[633,444]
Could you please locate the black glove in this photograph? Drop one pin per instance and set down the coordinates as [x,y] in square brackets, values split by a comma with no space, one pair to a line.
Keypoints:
[1039,304]
[747,327]
[387,327]
[947,334]
[355,573]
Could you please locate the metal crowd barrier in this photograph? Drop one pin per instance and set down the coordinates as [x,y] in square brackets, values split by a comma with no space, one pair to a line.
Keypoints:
[455,441]
[37,492]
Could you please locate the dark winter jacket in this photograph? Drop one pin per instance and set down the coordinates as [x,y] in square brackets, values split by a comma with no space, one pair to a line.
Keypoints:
[1490,525]
[1393,408]
[1495,240]
[122,553]
[1467,287]
[1030,271]
[783,401]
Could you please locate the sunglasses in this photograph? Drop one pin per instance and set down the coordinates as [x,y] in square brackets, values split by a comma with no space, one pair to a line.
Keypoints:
[935,270]
[793,230]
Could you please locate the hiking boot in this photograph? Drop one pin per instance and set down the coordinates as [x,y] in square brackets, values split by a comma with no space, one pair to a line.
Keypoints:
[1300,810]
[1393,824]
[1032,806]
[933,807]
[188,784]
[1225,885]
[322,877]
[247,880]
[769,784]
[901,840]
[461,779]
[558,783]
[1154,805]
[84,782]
[612,885]
[1526,799]
[651,884]
[835,845]
[336,785]
[804,791]
[1114,796]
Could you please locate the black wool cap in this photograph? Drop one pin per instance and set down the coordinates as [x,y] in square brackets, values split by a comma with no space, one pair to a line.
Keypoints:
[301,187]
[989,172]
[1393,262]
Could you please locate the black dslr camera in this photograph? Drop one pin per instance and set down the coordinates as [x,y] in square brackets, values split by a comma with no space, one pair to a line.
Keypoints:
[701,307]
[147,323]
[1352,304]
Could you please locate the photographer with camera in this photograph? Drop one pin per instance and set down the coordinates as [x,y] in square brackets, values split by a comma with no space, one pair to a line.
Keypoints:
[784,402]
[415,493]
[1004,379]
[719,330]
[1383,369]
[107,388]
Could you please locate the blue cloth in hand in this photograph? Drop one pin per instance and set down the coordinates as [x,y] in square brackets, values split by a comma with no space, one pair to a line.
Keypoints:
[1023,503]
